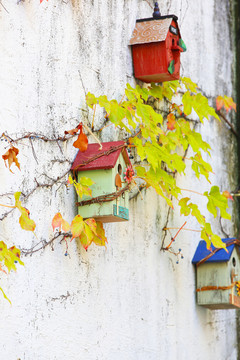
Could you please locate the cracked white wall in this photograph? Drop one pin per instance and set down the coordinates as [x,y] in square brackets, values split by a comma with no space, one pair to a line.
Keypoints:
[131,301]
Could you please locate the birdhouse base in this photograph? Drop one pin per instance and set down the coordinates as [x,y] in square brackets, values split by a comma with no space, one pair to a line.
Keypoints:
[105,213]
[157,78]
[234,303]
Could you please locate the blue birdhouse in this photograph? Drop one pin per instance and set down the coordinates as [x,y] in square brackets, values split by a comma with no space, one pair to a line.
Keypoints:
[217,275]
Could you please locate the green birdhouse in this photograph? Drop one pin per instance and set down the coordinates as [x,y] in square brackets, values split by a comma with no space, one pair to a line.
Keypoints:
[217,273]
[106,167]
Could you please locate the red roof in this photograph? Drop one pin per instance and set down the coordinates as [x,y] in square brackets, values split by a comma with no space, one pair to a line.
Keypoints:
[106,158]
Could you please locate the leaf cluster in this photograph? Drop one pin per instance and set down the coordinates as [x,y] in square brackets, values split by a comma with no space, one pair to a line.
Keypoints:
[162,142]
[87,231]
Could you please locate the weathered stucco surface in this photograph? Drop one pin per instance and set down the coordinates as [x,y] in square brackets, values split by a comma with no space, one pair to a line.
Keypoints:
[131,301]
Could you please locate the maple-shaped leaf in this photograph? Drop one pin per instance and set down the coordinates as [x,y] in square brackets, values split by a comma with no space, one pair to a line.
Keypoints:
[17,253]
[25,222]
[11,157]
[82,141]
[9,256]
[226,102]
[77,226]
[219,102]
[171,121]
[91,100]
[227,195]
[217,200]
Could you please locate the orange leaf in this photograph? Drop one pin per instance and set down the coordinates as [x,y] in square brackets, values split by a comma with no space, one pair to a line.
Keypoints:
[57,221]
[82,141]
[77,226]
[171,121]
[227,195]
[229,103]
[71,132]
[226,102]
[219,102]
[11,157]
[65,225]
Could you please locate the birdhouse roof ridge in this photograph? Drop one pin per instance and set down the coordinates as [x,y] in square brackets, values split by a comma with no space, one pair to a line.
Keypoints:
[105,158]
[221,255]
[174,17]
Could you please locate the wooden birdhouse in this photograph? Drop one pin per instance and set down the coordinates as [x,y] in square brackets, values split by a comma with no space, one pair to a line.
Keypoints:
[106,167]
[156,47]
[217,274]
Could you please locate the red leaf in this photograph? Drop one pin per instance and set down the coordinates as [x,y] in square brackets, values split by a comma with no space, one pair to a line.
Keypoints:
[171,121]
[227,195]
[82,141]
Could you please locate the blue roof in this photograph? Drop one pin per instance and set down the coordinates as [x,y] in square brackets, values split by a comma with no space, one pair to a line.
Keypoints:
[220,256]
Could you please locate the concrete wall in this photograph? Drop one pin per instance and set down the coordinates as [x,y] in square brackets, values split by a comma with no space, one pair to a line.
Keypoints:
[131,301]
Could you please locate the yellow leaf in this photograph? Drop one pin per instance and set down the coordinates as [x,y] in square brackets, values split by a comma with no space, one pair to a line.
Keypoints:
[25,222]
[77,226]
[100,238]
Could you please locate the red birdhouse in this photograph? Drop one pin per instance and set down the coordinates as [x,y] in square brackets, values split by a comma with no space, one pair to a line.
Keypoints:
[156,46]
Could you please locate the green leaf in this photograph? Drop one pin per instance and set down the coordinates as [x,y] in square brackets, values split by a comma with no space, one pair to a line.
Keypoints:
[187,103]
[171,67]
[91,100]
[217,242]
[189,84]
[217,200]
[182,45]
[200,166]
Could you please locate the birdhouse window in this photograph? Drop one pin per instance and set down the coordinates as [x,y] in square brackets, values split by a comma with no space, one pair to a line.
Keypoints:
[173,30]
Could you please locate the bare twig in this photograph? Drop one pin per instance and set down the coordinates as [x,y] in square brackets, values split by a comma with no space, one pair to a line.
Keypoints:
[228,122]
[44,244]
